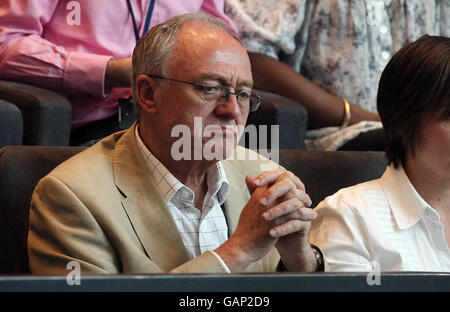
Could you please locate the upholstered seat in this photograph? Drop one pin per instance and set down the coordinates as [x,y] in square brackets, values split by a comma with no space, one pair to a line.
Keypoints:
[47,116]
[11,124]
[21,167]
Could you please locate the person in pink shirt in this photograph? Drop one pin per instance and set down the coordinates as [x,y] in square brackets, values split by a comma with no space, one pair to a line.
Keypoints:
[82,49]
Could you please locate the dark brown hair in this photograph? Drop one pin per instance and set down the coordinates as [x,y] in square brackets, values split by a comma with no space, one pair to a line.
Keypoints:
[415,84]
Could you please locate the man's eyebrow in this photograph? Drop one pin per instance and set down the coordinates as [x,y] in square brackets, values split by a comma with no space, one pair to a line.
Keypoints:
[247,83]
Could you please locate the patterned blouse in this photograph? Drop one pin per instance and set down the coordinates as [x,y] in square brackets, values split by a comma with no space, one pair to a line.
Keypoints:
[341,45]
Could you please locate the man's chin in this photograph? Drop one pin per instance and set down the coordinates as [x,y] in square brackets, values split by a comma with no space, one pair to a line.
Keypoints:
[218,150]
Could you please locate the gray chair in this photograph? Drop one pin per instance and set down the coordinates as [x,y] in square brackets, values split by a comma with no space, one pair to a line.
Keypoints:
[324,172]
[21,167]
[11,124]
[46,115]
[291,117]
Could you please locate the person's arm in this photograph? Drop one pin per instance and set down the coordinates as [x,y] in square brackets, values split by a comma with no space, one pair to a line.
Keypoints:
[27,57]
[340,234]
[118,73]
[324,109]
[277,215]
[63,229]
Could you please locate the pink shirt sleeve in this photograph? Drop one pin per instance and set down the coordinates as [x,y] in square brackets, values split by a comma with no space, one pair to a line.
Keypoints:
[25,56]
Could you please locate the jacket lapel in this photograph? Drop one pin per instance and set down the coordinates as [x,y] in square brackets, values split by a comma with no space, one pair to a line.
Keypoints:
[237,198]
[148,213]
[146,210]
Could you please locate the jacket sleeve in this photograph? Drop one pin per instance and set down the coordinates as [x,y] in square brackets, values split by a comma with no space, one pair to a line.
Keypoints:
[62,229]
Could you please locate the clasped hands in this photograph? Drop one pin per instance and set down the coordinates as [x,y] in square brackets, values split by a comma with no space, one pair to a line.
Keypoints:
[277,214]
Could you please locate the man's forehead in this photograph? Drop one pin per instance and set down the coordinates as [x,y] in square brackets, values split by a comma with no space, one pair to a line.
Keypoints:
[200,42]
[227,56]
[201,29]
[207,34]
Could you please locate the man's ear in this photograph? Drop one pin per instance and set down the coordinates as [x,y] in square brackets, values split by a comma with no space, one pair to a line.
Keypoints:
[145,88]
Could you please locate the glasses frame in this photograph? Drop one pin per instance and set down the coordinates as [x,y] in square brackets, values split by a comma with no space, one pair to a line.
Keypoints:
[252,107]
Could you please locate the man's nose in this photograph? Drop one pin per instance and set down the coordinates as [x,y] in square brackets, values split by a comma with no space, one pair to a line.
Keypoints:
[228,106]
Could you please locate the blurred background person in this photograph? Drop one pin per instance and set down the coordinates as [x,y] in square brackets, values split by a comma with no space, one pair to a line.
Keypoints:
[400,222]
[82,50]
[328,55]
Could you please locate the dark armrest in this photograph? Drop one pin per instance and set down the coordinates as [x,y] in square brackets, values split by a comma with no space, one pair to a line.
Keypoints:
[11,124]
[326,172]
[21,168]
[288,114]
[47,116]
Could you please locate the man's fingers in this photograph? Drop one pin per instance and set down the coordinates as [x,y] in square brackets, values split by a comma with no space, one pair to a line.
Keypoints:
[302,214]
[281,183]
[299,194]
[287,189]
[290,210]
[289,227]
[271,176]
[267,177]
[296,180]
[277,190]
[282,209]
[250,181]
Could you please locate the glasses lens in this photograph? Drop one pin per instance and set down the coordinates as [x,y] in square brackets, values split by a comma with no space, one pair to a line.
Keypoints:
[243,97]
[212,92]
[255,101]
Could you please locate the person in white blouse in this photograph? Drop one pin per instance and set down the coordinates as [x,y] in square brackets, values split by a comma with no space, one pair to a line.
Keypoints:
[401,221]
[320,52]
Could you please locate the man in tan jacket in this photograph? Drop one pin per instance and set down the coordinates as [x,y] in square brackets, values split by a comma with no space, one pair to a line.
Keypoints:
[139,202]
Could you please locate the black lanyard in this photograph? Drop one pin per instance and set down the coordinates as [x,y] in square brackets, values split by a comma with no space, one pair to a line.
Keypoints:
[147,19]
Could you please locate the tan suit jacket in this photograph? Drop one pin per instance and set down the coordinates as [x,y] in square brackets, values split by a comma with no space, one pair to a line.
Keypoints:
[103,209]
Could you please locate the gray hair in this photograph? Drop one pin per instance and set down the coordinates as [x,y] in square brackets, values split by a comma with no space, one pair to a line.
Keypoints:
[152,52]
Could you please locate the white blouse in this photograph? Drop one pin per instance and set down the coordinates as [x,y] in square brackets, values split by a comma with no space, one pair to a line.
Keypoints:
[381,224]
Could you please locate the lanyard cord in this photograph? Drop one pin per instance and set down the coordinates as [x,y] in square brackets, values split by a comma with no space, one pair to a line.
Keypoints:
[147,19]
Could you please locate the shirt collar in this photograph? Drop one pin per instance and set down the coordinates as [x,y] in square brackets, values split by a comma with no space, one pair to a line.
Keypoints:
[169,186]
[218,183]
[406,204]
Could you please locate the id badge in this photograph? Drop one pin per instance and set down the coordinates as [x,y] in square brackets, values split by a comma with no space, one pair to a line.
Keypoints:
[126,113]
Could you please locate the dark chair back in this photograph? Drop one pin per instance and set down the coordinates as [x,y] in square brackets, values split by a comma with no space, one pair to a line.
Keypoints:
[290,117]
[11,124]
[324,173]
[21,167]
[46,114]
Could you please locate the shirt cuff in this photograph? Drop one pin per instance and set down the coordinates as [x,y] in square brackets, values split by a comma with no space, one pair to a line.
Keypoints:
[222,263]
[85,73]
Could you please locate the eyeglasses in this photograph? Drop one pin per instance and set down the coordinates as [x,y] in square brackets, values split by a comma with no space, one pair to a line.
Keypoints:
[212,93]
